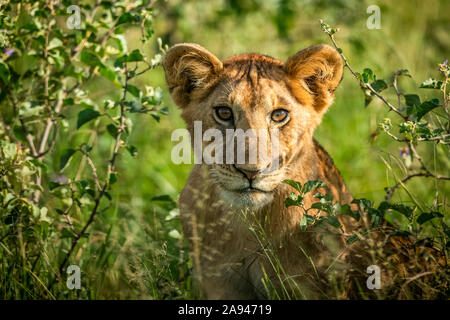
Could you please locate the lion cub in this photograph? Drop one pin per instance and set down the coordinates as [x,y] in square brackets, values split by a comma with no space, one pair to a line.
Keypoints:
[245,243]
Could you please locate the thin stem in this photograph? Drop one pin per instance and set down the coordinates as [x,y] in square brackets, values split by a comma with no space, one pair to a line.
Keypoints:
[363,85]
[426,173]
[111,167]
[395,85]
[391,190]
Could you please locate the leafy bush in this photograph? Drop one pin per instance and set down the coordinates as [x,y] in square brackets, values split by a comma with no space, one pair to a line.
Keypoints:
[422,228]
[51,67]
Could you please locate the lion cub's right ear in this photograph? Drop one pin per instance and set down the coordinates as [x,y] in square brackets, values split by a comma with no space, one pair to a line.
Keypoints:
[190,70]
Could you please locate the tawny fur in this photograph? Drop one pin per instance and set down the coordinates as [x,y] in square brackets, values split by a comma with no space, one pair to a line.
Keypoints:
[229,261]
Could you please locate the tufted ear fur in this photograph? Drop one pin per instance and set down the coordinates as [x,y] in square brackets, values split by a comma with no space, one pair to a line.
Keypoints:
[314,73]
[190,70]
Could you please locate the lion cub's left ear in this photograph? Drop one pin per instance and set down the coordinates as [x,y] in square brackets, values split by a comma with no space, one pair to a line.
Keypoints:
[314,73]
[190,69]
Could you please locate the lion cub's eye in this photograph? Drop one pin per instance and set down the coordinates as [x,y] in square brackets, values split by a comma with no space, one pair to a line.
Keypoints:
[279,115]
[224,113]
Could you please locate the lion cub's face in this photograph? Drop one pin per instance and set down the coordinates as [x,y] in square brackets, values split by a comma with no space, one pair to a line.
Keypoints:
[282,103]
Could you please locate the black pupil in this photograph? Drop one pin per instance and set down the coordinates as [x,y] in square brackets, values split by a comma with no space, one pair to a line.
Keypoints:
[224,113]
[279,115]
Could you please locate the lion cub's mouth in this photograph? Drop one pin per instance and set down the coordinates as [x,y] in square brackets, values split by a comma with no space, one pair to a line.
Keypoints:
[252,190]
[241,192]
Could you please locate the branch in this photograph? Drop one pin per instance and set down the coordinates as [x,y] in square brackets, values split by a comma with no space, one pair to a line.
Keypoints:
[111,167]
[48,128]
[395,85]
[434,138]
[427,173]
[362,84]
[391,190]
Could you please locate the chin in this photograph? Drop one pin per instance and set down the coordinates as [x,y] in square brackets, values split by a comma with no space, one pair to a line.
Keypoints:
[246,199]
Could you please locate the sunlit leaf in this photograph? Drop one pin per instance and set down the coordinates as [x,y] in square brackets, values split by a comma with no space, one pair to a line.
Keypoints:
[296,185]
[86,115]
[65,158]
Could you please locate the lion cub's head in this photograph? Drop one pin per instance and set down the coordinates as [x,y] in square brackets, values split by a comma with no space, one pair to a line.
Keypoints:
[253,91]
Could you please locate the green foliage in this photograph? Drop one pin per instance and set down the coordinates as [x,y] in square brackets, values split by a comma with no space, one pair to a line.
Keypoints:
[418,221]
[326,210]
[48,203]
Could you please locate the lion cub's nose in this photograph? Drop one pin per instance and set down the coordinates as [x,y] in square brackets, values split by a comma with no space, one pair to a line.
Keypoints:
[250,174]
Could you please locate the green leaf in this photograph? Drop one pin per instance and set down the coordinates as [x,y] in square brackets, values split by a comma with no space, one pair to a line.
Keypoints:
[288,202]
[345,209]
[356,237]
[86,115]
[132,150]
[164,198]
[175,234]
[65,158]
[313,185]
[53,185]
[107,195]
[67,233]
[293,200]
[333,221]
[379,85]
[39,164]
[319,205]
[135,55]
[296,185]
[128,17]
[112,130]
[19,134]
[426,216]
[431,83]
[352,239]
[164,111]
[305,221]
[384,205]
[4,72]
[121,43]
[368,75]
[107,73]
[135,106]
[405,210]
[363,203]
[376,216]
[55,43]
[412,100]
[325,198]
[156,117]
[112,178]
[399,233]
[90,58]
[133,90]
[426,107]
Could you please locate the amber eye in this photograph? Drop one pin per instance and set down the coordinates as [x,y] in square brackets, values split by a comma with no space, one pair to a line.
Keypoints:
[279,115]
[224,113]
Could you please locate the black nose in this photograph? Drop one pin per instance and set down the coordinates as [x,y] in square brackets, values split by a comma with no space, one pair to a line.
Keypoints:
[250,174]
